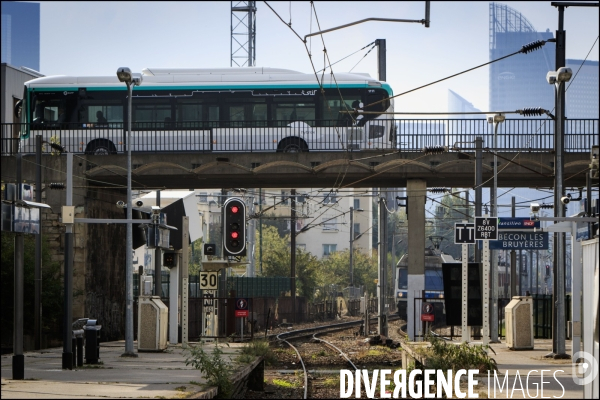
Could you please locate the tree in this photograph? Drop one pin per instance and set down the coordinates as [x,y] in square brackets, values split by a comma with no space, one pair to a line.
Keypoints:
[336,269]
[277,261]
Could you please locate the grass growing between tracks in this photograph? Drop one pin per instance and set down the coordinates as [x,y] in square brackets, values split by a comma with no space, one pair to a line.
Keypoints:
[257,348]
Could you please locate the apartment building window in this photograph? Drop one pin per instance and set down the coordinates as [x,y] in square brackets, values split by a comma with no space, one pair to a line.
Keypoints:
[356,204]
[329,249]
[202,197]
[356,230]
[284,197]
[329,198]
[329,224]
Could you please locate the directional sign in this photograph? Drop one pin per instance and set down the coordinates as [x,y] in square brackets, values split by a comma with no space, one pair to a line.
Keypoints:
[208,280]
[517,223]
[464,233]
[486,228]
[241,307]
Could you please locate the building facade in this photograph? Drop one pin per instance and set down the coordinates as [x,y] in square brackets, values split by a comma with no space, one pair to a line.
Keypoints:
[518,81]
[21,34]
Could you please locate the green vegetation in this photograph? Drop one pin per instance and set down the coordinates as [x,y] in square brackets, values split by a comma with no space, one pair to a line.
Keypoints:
[285,384]
[215,368]
[52,294]
[444,356]
[257,348]
[311,272]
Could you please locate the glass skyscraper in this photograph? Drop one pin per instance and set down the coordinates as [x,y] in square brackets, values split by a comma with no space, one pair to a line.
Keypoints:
[582,91]
[519,81]
[21,34]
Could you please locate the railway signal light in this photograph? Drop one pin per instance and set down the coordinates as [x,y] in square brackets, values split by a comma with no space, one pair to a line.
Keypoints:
[234,227]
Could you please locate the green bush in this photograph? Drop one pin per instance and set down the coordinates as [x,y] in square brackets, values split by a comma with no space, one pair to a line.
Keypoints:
[446,356]
[217,370]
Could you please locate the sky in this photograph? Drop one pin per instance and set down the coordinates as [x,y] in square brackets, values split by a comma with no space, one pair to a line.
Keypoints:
[96,38]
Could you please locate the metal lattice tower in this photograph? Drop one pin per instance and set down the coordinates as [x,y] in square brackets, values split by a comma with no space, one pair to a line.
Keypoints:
[243,33]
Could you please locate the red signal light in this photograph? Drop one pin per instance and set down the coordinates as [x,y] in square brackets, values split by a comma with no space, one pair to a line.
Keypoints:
[235,209]
[234,235]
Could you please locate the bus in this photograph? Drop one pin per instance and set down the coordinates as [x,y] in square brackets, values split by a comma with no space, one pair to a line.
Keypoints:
[434,281]
[201,110]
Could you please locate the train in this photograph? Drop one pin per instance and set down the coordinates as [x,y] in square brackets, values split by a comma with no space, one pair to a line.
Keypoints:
[434,282]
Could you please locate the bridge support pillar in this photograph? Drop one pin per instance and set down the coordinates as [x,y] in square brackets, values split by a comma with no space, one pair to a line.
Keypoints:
[416,192]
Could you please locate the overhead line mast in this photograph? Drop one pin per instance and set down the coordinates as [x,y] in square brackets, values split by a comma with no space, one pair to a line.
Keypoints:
[243,34]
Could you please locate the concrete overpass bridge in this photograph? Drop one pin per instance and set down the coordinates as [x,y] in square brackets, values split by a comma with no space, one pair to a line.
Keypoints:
[301,170]
[526,159]
[230,157]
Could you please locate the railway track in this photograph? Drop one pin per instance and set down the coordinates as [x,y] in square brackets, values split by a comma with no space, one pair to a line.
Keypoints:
[299,334]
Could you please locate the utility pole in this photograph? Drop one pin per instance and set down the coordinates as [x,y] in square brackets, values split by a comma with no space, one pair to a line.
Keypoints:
[68,218]
[293,251]
[18,359]
[381,59]
[558,326]
[351,246]
[157,260]
[513,258]
[243,34]
[37,311]
[381,282]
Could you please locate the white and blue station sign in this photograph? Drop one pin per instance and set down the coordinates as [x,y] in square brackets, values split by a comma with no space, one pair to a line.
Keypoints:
[520,240]
[517,223]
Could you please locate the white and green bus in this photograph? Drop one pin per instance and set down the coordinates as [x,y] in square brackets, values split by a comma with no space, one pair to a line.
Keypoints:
[200,110]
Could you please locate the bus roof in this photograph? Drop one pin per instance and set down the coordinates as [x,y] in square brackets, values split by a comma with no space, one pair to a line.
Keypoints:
[212,78]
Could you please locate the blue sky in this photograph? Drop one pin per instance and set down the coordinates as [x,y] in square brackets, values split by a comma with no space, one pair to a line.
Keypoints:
[95,38]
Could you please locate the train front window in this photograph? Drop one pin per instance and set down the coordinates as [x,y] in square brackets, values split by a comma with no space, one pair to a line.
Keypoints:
[434,280]
[403,279]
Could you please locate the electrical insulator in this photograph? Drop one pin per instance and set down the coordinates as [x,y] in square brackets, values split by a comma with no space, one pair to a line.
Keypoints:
[528,48]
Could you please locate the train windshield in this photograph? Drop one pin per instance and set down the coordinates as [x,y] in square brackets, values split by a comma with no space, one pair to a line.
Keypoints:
[403,279]
[434,280]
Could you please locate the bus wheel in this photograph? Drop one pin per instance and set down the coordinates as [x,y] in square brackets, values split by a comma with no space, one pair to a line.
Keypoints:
[292,145]
[100,147]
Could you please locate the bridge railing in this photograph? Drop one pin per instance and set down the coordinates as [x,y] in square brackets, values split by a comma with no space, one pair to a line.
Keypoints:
[406,135]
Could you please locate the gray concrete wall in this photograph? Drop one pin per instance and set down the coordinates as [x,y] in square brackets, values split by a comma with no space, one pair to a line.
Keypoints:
[99,254]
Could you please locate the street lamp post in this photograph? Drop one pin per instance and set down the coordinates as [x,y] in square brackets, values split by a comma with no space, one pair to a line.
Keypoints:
[558,79]
[496,119]
[124,74]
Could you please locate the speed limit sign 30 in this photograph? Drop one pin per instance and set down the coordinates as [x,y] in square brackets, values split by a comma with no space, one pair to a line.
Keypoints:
[209,280]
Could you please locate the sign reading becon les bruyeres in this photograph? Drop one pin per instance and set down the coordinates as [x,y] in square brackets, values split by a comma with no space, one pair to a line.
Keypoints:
[520,241]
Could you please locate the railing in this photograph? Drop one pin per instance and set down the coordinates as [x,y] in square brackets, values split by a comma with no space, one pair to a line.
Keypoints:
[261,136]
[542,315]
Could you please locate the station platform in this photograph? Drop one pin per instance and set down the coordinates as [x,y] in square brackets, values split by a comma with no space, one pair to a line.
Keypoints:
[533,368]
[150,375]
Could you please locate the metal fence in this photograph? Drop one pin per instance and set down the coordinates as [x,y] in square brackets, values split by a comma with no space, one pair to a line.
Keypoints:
[542,315]
[408,135]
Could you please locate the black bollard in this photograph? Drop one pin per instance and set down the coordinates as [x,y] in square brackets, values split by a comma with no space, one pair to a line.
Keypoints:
[79,351]
[74,347]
